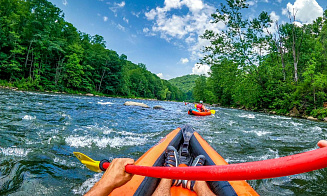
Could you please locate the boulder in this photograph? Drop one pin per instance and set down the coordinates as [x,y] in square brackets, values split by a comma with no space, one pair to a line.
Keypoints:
[132,103]
[89,94]
[158,107]
[294,112]
[325,119]
[311,118]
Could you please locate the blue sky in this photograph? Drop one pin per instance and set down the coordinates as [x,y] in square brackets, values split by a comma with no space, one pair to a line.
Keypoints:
[164,34]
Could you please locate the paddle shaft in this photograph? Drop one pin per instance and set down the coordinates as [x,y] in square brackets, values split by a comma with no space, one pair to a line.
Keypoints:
[272,168]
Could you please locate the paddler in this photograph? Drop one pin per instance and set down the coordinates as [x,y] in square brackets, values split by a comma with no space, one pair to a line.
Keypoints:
[200,107]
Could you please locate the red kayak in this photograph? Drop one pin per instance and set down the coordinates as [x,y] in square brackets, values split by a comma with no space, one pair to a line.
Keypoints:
[198,113]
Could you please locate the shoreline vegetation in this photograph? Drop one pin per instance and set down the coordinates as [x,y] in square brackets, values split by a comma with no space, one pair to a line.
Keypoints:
[258,64]
[39,50]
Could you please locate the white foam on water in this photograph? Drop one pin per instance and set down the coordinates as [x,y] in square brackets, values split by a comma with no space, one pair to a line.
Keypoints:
[316,128]
[116,142]
[296,124]
[261,133]
[28,117]
[66,115]
[230,123]
[13,151]
[108,131]
[258,133]
[105,103]
[272,154]
[87,185]
[280,117]
[247,116]
[60,161]
[105,130]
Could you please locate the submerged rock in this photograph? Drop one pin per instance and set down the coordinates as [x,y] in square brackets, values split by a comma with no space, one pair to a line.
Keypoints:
[158,107]
[132,103]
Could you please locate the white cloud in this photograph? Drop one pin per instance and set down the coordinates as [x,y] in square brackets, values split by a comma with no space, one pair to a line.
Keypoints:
[146,30]
[116,6]
[184,60]
[251,3]
[64,2]
[126,20]
[105,18]
[122,4]
[273,26]
[200,69]
[121,27]
[306,11]
[274,16]
[160,75]
[151,15]
[174,25]
[137,14]
[298,24]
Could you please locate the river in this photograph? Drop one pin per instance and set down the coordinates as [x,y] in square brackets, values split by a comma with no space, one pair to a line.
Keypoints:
[40,131]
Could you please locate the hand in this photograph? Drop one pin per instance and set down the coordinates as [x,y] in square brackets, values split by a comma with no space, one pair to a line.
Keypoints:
[322,143]
[114,177]
[115,174]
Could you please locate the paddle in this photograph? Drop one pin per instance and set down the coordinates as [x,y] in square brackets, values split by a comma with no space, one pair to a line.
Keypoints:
[271,168]
[212,111]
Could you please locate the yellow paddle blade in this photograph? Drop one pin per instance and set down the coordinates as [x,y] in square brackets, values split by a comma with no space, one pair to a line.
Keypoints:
[213,111]
[88,162]
[195,105]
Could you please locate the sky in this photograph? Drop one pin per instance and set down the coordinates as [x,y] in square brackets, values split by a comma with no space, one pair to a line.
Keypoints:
[165,34]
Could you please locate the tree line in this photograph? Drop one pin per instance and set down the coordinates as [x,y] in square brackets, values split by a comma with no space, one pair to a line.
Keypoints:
[39,50]
[255,68]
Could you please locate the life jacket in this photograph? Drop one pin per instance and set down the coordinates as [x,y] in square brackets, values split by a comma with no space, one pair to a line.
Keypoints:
[199,107]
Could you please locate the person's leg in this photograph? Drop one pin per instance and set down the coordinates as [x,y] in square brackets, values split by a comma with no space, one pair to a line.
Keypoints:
[171,160]
[163,189]
[202,189]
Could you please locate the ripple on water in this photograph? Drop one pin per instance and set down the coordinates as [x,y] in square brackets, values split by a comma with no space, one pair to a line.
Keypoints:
[14,151]
[87,185]
[28,117]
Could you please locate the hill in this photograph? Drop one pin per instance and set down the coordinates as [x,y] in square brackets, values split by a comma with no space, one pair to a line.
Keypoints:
[185,84]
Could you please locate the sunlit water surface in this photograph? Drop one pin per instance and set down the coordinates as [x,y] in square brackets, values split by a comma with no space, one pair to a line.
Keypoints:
[39,132]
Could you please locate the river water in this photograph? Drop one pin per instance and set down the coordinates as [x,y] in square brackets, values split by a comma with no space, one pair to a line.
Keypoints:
[39,133]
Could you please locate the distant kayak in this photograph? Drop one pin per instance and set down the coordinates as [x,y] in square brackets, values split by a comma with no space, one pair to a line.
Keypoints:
[198,113]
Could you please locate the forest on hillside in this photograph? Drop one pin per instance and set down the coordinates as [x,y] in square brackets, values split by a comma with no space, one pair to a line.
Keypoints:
[255,68]
[39,50]
[185,84]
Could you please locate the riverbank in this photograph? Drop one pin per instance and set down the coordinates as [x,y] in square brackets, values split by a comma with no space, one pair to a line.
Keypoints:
[293,113]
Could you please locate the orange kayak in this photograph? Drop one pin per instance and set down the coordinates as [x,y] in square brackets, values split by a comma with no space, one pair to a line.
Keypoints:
[198,113]
[189,142]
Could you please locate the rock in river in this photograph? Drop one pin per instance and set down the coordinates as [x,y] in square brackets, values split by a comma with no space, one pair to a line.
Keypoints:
[136,104]
[158,107]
